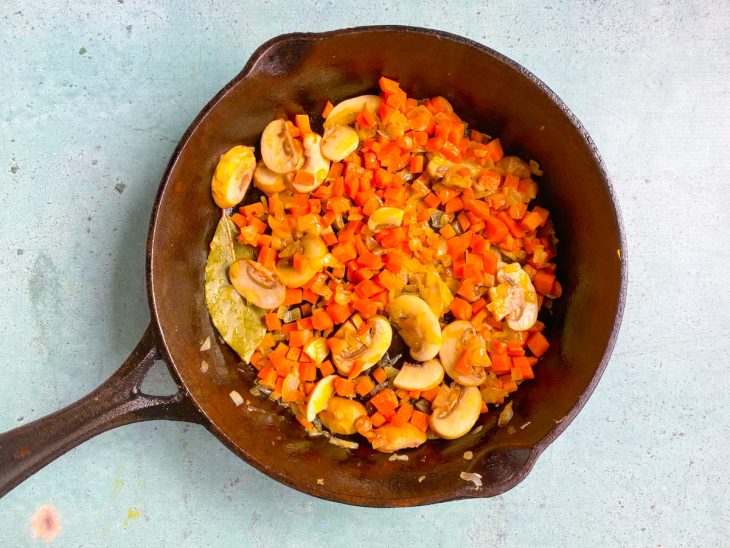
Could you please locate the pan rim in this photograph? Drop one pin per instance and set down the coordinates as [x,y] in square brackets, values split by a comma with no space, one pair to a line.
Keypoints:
[535,450]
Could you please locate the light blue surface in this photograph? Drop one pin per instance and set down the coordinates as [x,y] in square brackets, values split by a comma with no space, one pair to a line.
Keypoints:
[94,97]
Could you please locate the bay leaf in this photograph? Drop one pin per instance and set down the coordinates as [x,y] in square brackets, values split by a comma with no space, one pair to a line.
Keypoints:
[239,323]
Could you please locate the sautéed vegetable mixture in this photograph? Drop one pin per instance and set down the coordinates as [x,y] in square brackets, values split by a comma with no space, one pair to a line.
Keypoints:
[396,221]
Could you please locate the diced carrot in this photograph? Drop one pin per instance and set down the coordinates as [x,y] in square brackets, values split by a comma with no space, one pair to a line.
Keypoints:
[522,364]
[538,344]
[514,349]
[326,368]
[453,205]
[508,384]
[338,312]
[321,320]
[368,288]
[494,147]
[403,415]
[307,371]
[388,85]
[273,322]
[281,364]
[430,395]
[344,387]
[496,230]
[378,419]
[281,349]
[431,200]
[364,386]
[447,231]
[416,164]
[302,122]
[490,262]
[267,257]
[344,252]
[379,375]
[514,227]
[385,401]
[460,308]
[544,281]
[300,262]
[267,377]
[293,296]
[304,178]
[458,245]
[305,323]
[239,220]
[501,363]
[299,338]
[419,420]
[365,307]
[327,109]
[479,208]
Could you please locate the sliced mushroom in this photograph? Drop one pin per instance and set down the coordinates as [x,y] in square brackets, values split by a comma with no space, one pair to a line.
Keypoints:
[514,298]
[459,415]
[389,438]
[268,181]
[257,284]
[339,142]
[344,112]
[419,376]
[277,148]
[461,175]
[457,337]
[316,165]
[314,249]
[340,415]
[232,176]
[364,349]
[385,217]
[417,325]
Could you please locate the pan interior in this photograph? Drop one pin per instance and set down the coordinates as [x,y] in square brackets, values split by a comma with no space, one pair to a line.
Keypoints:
[298,73]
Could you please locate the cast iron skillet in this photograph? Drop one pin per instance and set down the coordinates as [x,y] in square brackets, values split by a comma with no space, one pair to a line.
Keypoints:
[298,73]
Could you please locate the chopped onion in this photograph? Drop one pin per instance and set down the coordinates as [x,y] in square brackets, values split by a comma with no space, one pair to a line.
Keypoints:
[344,443]
[236,397]
[320,481]
[535,168]
[421,478]
[436,219]
[206,345]
[396,456]
[473,477]
[292,315]
[204,366]
[468,455]
[423,405]
[528,423]
[506,415]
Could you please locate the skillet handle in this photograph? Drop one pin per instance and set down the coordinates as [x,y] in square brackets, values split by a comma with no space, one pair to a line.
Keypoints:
[119,401]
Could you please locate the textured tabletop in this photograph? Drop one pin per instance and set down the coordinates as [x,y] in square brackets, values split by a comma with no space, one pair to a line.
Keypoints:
[95,95]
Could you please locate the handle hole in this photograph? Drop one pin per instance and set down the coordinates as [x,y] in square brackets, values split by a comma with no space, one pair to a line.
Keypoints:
[158,381]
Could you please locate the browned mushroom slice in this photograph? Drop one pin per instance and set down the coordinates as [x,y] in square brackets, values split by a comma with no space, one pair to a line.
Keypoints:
[232,176]
[257,284]
[277,148]
[455,418]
